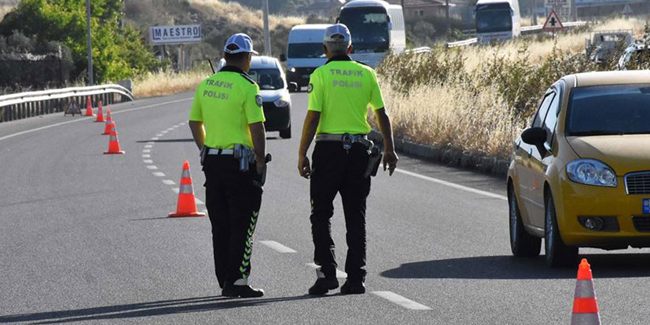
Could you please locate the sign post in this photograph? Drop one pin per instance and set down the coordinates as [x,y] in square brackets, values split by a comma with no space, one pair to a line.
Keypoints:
[552,23]
[176,35]
[562,8]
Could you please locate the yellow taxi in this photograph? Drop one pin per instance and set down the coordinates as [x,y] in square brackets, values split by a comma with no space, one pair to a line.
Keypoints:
[580,174]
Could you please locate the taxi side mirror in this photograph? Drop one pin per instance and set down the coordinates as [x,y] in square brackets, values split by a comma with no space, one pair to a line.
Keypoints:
[535,136]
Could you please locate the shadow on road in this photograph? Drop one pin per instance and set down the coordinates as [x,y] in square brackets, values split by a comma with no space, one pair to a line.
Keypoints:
[509,267]
[156,308]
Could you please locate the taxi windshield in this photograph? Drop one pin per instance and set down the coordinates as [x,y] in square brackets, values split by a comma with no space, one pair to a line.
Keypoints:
[609,110]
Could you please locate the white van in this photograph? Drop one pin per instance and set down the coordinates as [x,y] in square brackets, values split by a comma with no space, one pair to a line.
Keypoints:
[304,52]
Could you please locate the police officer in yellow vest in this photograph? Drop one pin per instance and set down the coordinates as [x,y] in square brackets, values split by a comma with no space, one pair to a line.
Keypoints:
[339,94]
[226,120]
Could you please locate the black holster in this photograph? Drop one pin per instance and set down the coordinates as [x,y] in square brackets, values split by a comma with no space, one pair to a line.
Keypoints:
[374,159]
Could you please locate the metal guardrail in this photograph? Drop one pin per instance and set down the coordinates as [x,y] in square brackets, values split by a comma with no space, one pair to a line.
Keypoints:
[524,31]
[34,103]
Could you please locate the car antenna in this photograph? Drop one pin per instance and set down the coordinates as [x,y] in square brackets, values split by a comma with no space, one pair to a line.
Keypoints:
[211,66]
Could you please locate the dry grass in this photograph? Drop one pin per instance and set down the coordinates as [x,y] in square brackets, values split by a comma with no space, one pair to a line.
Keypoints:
[452,114]
[167,83]
[448,116]
[572,42]
[232,11]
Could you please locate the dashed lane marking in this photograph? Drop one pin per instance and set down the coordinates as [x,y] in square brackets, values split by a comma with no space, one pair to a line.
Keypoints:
[454,185]
[399,300]
[152,167]
[339,274]
[168,182]
[277,246]
[158,174]
[147,161]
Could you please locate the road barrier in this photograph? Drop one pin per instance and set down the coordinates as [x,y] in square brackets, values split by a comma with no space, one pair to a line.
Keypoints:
[527,30]
[35,103]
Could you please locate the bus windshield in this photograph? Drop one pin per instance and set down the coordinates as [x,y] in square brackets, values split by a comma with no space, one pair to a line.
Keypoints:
[368,28]
[305,50]
[493,18]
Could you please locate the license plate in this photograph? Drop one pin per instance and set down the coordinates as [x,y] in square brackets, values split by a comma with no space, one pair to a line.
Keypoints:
[646,206]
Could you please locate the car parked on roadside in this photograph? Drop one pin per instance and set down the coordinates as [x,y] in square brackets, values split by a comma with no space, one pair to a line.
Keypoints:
[580,174]
[268,74]
[634,57]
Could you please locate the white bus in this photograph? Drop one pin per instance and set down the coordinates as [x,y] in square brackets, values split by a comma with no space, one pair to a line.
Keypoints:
[497,20]
[376,26]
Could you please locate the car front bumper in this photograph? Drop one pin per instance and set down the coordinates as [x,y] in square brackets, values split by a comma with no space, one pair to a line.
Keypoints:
[277,118]
[579,201]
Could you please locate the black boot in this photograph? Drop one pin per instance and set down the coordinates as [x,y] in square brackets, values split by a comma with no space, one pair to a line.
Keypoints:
[323,285]
[353,287]
[243,291]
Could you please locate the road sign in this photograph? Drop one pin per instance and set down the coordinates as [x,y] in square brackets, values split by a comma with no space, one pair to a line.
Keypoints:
[175,34]
[553,22]
[561,7]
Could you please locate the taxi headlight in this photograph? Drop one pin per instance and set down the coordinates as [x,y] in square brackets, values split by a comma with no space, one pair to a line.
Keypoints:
[282,102]
[591,172]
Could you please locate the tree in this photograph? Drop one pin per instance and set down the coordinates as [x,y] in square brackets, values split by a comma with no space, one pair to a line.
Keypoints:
[117,51]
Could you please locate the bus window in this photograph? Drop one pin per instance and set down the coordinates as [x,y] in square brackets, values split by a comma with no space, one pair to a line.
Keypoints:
[493,18]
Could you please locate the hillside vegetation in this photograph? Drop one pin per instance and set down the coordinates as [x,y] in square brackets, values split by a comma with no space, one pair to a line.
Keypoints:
[478,99]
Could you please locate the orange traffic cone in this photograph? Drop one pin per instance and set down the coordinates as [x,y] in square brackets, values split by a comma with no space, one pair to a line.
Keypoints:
[100,115]
[89,107]
[109,123]
[585,306]
[186,206]
[113,143]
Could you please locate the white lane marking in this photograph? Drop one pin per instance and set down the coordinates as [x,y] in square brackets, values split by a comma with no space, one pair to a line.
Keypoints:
[339,274]
[163,132]
[152,167]
[83,119]
[158,174]
[148,146]
[156,137]
[397,299]
[176,190]
[198,202]
[454,185]
[147,161]
[146,156]
[146,150]
[277,246]
[168,182]
[150,142]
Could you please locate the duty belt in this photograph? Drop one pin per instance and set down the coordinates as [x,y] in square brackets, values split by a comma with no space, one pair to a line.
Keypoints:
[347,139]
[221,152]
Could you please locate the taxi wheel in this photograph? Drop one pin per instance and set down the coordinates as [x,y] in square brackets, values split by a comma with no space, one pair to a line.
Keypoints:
[557,253]
[521,242]
[286,133]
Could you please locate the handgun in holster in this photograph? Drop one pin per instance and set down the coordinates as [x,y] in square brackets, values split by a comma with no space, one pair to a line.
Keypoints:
[245,155]
[374,159]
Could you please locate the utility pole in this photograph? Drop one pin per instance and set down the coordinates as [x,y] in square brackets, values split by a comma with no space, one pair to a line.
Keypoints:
[89,45]
[533,7]
[267,33]
[448,22]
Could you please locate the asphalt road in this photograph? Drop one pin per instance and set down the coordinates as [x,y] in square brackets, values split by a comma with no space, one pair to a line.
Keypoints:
[85,238]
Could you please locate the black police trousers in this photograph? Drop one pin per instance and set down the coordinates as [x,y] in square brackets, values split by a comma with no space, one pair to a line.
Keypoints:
[335,170]
[233,199]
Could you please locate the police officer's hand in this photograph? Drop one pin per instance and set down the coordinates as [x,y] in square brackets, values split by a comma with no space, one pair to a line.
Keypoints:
[303,167]
[390,159]
[259,166]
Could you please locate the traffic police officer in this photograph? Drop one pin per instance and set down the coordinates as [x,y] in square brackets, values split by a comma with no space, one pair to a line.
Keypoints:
[226,120]
[339,94]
